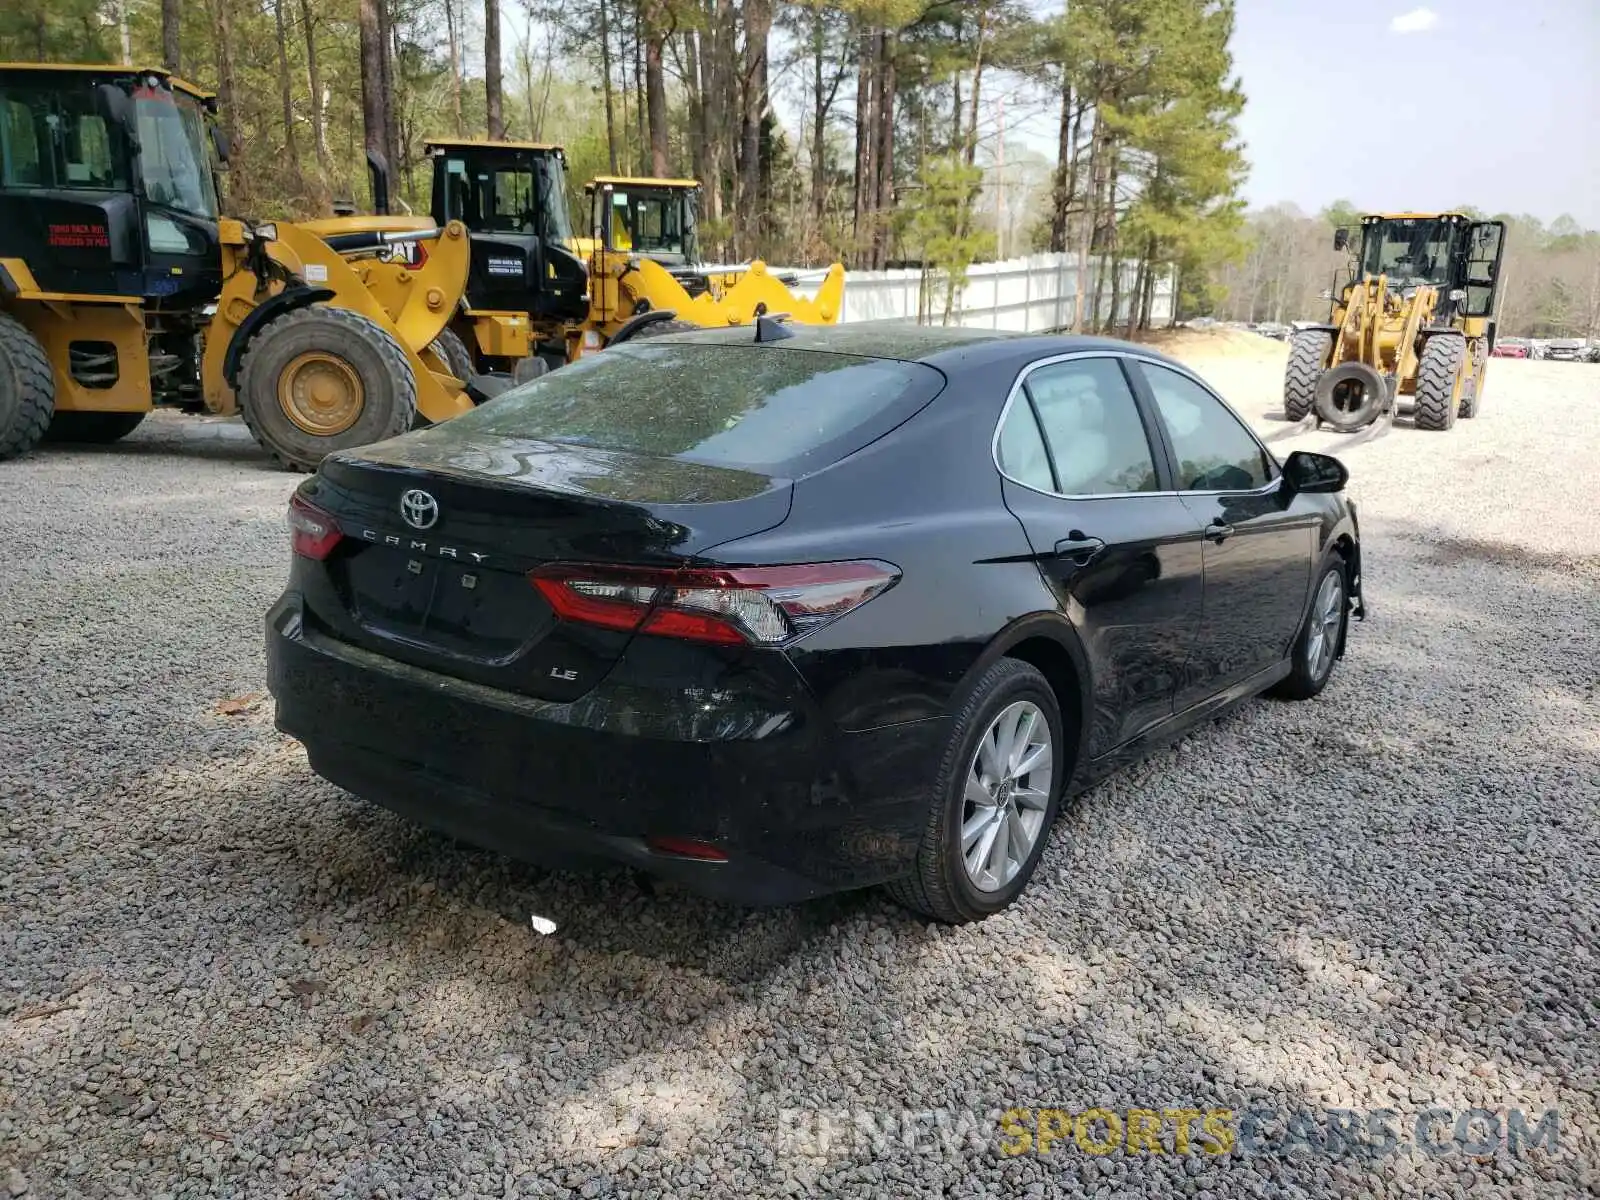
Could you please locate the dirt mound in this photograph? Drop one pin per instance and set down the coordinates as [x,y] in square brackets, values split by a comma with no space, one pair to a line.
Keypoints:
[1218,341]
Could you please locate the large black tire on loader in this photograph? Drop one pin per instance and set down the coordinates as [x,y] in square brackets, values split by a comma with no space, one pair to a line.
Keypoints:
[1437,368]
[453,353]
[662,328]
[27,389]
[1308,352]
[322,379]
[1351,396]
[94,428]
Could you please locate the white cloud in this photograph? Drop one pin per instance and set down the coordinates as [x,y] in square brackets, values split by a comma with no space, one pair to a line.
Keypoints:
[1418,20]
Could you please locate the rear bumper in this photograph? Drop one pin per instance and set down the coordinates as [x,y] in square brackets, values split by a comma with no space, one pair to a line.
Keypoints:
[800,808]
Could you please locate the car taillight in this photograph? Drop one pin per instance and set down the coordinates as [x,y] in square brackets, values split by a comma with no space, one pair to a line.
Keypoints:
[762,606]
[312,533]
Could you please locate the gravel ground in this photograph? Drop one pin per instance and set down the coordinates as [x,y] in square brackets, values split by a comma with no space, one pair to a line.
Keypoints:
[221,976]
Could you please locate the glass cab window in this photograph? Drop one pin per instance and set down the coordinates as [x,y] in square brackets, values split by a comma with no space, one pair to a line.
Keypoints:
[57,139]
[1410,251]
[174,162]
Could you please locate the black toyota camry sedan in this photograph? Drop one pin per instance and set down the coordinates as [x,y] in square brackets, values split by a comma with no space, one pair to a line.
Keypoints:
[785,613]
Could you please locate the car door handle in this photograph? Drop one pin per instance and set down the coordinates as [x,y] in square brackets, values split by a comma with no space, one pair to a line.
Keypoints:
[1078,548]
[1218,531]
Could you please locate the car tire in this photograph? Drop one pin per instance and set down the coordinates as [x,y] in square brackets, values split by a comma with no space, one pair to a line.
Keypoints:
[1436,381]
[997,809]
[27,389]
[1316,649]
[1308,353]
[93,428]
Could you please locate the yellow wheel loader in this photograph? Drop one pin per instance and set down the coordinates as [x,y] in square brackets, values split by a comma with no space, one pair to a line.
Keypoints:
[122,289]
[538,289]
[1413,320]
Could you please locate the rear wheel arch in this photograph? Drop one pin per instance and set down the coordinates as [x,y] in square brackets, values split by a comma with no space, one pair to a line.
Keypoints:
[1050,644]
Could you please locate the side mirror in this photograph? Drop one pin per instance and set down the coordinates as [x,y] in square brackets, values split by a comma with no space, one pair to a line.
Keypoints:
[1305,471]
[1341,237]
[219,142]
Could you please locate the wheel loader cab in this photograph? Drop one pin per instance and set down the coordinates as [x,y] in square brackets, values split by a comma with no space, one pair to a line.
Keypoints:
[648,218]
[107,184]
[1446,251]
[512,198]
[651,217]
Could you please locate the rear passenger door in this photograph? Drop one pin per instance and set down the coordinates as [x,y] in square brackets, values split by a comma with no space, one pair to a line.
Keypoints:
[1119,549]
[1258,543]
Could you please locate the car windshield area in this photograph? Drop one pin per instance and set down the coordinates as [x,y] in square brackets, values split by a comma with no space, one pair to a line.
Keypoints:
[55,138]
[173,160]
[650,223]
[782,412]
[1409,250]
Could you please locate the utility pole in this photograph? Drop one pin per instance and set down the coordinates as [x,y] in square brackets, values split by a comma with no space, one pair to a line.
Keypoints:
[1000,188]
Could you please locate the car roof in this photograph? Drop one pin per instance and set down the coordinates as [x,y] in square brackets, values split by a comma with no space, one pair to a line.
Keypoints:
[950,348]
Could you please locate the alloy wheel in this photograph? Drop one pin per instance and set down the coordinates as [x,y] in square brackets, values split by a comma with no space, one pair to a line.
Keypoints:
[1007,794]
[1327,610]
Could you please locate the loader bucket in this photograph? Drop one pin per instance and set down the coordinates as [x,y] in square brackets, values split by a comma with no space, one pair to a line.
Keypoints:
[757,291]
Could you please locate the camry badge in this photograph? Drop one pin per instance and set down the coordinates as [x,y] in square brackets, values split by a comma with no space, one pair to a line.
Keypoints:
[420,510]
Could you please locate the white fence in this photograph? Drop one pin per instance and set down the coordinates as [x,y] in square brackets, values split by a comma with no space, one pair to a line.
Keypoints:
[1034,294]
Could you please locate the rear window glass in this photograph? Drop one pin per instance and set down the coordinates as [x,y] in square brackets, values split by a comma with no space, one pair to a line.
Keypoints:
[784,412]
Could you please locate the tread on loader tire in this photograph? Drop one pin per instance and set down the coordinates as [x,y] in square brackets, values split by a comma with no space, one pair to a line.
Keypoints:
[1437,369]
[1308,351]
[27,389]
[661,328]
[93,428]
[345,344]
[453,352]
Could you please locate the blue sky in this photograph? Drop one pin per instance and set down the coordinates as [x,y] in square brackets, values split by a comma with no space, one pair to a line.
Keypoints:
[1399,104]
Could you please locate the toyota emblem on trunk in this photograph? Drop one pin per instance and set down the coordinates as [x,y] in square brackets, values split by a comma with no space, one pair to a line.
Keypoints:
[419,509]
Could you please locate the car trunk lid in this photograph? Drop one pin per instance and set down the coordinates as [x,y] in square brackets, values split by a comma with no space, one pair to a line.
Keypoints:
[441,533]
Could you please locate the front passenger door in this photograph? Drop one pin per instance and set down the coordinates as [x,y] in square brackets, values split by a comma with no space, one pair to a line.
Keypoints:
[1258,544]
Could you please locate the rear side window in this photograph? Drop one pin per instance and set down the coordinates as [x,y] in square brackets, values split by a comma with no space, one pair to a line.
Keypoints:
[759,408]
[1092,426]
[1215,452]
[1022,453]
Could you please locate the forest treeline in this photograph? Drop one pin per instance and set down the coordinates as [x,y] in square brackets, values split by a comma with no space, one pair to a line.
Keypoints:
[893,147]
[898,105]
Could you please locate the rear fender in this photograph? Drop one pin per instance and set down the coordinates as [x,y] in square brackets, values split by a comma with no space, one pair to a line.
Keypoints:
[1057,630]
[58,321]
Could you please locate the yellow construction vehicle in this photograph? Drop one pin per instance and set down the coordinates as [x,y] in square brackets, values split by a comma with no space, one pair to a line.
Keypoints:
[122,289]
[1413,318]
[537,288]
